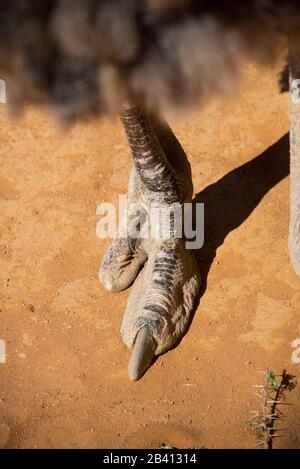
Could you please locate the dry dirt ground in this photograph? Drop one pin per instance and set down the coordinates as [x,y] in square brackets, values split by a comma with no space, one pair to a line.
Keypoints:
[64,383]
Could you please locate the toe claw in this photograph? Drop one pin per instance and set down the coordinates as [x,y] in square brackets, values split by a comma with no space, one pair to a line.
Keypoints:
[142,354]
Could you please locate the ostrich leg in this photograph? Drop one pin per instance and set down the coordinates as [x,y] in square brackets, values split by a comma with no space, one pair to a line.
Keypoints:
[162,297]
[294,235]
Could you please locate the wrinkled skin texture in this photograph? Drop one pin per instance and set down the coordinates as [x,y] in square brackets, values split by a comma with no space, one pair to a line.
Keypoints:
[162,298]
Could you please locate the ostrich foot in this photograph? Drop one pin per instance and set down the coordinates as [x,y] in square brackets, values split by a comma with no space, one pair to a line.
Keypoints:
[165,273]
[160,303]
[166,281]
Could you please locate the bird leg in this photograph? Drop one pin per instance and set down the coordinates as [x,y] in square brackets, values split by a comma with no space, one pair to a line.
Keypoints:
[162,297]
[294,234]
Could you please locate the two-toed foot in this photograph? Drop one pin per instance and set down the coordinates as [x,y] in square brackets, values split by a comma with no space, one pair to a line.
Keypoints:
[165,273]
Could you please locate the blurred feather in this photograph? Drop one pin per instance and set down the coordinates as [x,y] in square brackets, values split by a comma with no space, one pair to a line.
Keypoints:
[85,58]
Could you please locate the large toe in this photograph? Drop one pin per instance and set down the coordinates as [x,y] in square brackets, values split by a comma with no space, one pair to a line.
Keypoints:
[161,300]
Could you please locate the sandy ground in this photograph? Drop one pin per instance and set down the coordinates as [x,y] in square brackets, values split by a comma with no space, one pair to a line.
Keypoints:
[64,383]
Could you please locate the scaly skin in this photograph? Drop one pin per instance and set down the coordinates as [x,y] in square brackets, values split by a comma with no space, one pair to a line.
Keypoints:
[162,297]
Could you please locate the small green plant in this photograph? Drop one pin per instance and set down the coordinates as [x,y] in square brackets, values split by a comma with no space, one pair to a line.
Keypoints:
[271,380]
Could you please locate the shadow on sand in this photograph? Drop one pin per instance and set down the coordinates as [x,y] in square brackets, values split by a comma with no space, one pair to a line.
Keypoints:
[229,201]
